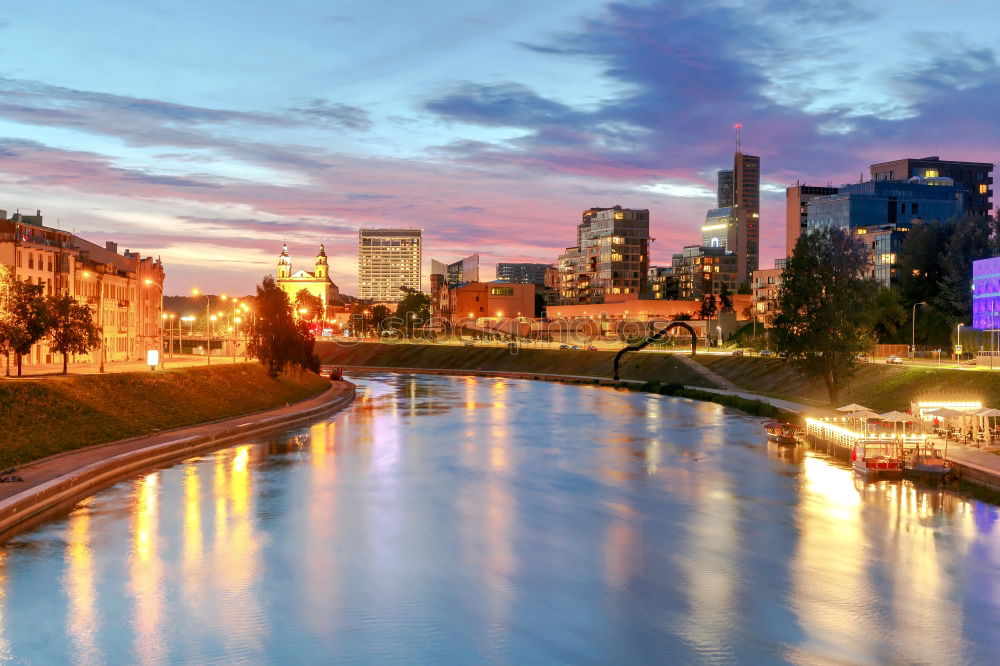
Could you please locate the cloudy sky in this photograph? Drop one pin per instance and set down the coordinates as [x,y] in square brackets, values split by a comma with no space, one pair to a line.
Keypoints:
[210,133]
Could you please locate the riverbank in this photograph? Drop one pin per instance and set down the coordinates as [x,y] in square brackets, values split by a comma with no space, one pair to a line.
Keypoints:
[40,417]
[664,368]
[45,487]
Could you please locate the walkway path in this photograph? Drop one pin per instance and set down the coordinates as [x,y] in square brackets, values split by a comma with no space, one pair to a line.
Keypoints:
[47,369]
[43,471]
[713,377]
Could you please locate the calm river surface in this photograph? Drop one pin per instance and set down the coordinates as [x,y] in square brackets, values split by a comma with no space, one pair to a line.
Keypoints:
[460,520]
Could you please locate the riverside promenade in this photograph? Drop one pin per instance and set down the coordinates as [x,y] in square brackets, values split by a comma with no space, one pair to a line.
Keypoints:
[93,368]
[35,489]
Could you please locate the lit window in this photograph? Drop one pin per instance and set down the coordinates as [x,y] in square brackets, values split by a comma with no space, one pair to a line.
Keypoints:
[931,173]
[983,189]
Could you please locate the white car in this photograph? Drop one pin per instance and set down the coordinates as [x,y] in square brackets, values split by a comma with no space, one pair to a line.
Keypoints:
[896,360]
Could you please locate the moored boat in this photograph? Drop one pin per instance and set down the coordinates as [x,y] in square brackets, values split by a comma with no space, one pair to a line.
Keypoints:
[926,465]
[782,433]
[876,459]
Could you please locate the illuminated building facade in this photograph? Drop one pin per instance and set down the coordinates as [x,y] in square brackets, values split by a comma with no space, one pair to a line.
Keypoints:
[986,294]
[796,211]
[387,260]
[704,270]
[975,177]
[523,273]
[463,270]
[317,283]
[734,224]
[611,256]
[124,290]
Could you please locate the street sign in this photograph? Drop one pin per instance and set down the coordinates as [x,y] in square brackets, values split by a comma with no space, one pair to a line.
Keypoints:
[958,349]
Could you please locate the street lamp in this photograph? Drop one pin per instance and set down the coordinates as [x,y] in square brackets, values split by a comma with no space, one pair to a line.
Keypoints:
[149,282]
[719,340]
[208,325]
[913,330]
[958,344]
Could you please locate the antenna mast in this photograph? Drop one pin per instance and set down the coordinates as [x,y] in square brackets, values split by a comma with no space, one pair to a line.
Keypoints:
[739,127]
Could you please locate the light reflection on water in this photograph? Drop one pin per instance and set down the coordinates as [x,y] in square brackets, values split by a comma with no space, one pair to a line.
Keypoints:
[465,519]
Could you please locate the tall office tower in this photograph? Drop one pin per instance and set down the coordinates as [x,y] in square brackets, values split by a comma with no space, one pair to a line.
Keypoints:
[724,196]
[611,256]
[522,273]
[975,177]
[735,223]
[796,211]
[387,260]
[746,206]
[463,270]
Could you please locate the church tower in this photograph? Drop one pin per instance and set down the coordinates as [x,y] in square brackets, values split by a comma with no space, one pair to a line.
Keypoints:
[322,269]
[284,263]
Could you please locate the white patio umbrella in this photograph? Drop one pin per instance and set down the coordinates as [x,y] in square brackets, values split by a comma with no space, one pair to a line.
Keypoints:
[862,415]
[984,415]
[895,417]
[853,407]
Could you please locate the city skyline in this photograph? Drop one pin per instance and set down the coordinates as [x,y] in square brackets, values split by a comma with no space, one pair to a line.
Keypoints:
[489,129]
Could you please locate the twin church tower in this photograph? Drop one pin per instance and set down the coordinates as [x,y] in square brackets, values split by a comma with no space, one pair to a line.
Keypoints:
[317,283]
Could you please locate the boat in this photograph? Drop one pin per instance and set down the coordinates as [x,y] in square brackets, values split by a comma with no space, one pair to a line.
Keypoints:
[925,464]
[783,433]
[877,459]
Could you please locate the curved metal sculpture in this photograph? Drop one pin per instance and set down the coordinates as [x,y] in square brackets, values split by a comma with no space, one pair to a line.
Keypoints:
[653,338]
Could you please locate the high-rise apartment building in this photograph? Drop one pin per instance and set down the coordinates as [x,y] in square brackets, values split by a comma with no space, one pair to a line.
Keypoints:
[796,211]
[704,270]
[522,273]
[735,223]
[975,177]
[388,259]
[611,256]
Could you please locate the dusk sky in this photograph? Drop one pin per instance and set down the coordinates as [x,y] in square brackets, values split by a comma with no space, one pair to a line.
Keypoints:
[210,133]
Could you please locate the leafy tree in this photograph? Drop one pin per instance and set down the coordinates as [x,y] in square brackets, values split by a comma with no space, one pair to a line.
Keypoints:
[822,325]
[970,240]
[886,315]
[277,341]
[708,306]
[26,319]
[744,288]
[414,310]
[725,300]
[6,316]
[71,327]
[313,305]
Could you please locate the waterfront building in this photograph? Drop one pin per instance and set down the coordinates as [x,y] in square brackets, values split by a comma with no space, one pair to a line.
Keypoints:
[611,256]
[797,198]
[463,270]
[975,177]
[880,203]
[124,290]
[701,270]
[766,283]
[388,260]
[491,301]
[663,284]
[735,222]
[523,273]
[316,283]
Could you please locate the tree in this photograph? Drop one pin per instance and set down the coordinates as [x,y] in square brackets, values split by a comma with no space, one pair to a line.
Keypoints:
[970,240]
[708,306]
[71,327]
[414,309]
[725,300]
[277,341]
[6,316]
[313,305]
[822,324]
[26,320]
[886,315]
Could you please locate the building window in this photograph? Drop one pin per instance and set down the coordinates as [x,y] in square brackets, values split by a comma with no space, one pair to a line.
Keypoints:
[501,291]
[931,173]
[983,189]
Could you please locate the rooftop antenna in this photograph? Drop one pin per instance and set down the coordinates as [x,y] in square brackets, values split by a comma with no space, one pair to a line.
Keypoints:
[738,127]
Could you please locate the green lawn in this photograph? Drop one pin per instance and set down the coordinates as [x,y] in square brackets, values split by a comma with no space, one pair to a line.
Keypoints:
[43,416]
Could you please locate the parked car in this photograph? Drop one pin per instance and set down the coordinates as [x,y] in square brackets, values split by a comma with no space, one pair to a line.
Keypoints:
[469,344]
[894,360]
[737,352]
[862,358]
[591,348]
[766,352]
[574,347]
[563,346]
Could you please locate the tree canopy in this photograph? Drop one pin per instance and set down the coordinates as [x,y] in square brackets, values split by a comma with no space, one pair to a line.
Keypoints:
[26,317]
[823,300]
[277,340]
[308,306]
[71,327]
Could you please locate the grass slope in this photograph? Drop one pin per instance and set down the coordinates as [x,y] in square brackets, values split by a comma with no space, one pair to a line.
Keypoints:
[879,386]
[645,366]
[41,417]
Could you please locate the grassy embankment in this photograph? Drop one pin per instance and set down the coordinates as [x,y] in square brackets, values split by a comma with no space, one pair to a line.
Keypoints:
[663,373]
[879,386]
[41,417]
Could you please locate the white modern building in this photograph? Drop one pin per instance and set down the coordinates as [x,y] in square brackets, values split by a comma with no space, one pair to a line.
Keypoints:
[388,259]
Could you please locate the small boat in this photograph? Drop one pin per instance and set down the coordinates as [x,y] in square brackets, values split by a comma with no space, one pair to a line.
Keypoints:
[783,433]
[876,459]
[927,465]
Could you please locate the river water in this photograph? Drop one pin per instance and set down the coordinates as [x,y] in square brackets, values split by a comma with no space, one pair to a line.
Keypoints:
[470,520]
